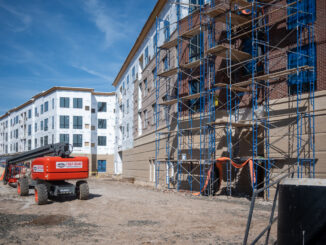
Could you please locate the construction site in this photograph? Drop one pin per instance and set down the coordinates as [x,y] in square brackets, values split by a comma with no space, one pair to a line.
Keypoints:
[233,152]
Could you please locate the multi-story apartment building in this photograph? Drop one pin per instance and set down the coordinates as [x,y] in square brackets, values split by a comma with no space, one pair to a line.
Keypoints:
[78,116]
[135,83]
[242,79]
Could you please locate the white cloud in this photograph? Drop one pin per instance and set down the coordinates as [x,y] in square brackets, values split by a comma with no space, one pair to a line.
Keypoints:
[94,73]
[25,19]
[112,28]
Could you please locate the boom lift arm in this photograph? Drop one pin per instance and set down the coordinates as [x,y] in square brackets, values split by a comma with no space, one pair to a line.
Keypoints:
[60,149]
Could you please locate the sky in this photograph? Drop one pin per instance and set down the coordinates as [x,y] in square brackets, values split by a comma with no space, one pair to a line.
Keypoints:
[74,43]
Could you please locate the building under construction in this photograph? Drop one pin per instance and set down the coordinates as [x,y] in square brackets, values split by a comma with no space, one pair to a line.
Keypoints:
[237,91]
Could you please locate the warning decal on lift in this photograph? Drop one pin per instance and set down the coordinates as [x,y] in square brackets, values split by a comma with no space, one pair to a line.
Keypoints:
[60,165]
[38,168]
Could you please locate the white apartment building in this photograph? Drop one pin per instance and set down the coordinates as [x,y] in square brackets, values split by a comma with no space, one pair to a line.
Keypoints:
[78,116]
[154,33]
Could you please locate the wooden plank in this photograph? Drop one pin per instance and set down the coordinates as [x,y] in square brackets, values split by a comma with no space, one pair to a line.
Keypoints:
[274,75]
[168,73]
[169,102]
[241,3]
[234,87]
[222,49]
[191,33]
[236,19]
[170,44]
[191,65]
[184,98]
[217,10]
[233,124]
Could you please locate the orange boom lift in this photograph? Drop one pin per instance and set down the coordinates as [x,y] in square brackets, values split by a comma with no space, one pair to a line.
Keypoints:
[51,167]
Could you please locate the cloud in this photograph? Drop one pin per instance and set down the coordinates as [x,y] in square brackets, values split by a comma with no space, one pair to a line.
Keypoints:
[25,19]
[113,29]
[94,73]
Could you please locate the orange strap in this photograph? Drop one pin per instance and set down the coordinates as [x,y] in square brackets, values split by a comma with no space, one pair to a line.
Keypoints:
[219,162]
[2,176]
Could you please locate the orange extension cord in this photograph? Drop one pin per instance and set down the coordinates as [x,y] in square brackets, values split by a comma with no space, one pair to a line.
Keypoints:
[222,160]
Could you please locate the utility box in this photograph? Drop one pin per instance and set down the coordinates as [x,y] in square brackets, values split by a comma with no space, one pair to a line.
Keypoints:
[302,212]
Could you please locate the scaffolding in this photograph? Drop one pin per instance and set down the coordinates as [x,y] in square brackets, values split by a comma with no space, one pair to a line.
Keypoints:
[239,36]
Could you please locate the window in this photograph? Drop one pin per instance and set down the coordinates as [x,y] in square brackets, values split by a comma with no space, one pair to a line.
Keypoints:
[133,74]
[146,56]
[154,43]
[52,122]
[77,140]
[30,114]
[35,112]
[42,109]
[46,124]
[307,12]
[145,119]
[101,106]
[46,140]
[101,166]
[166,63]
[127,111]
[35,127]
[306,56]
[64,138]
[195,45]
[78,122]
[42,142]
[52,104]
[102,123]
[35,143]
[194,104]
[145,87]
[166,30]
[64,102]
[101,140]
[46,106]
[29,130]
[42,125]
[154,113]
[52,139]
[64,121]
[127,130]
[78,103]
[29,145]
[194,5]
[127,79]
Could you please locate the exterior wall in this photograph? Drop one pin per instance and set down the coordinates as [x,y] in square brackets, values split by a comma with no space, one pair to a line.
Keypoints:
[138,160]
[37,137]
[143,71]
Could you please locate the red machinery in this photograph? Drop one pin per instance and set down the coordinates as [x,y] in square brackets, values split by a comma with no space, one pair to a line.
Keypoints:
[48,174]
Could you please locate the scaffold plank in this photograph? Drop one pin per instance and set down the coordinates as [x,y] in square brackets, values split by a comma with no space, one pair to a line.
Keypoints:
[168,73]
[222,49]
[170,44]
[233,124]
[184,98]
[191,33]
[234,87]
[217,10]
[273,75]
[191,65]
[241,3]
[236,19]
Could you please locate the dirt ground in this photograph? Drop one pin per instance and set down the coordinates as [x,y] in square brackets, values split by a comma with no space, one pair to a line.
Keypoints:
[124,213]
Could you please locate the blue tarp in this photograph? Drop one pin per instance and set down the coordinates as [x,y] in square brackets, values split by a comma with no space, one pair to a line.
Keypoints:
[307,12]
